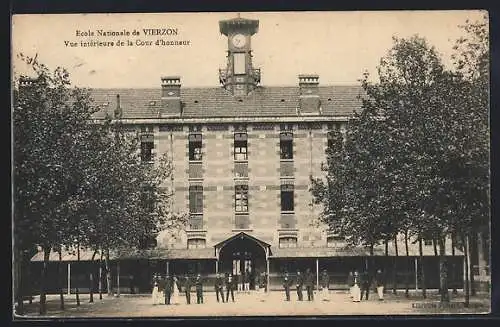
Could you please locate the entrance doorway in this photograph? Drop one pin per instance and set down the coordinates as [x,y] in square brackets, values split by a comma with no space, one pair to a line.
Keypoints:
[242,254]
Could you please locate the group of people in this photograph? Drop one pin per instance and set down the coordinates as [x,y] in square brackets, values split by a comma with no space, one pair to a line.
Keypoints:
[166,290]
[360,284]
[301,281]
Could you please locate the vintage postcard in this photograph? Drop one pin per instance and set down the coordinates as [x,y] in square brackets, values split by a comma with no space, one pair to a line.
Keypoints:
[250,164]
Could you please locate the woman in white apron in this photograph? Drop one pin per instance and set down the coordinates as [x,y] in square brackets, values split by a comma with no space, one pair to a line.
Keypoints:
[175,291]
[356,291]
[154,294]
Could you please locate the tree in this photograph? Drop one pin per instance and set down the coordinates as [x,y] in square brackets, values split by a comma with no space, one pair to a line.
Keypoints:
[79,183]
[47,114]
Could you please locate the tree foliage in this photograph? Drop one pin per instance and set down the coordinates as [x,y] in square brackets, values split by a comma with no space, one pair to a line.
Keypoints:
[415,157]
[78,181]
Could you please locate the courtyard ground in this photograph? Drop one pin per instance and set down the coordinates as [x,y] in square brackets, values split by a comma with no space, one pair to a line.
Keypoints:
[256,304]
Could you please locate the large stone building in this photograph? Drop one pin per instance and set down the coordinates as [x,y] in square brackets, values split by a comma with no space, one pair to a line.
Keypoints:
[243,155]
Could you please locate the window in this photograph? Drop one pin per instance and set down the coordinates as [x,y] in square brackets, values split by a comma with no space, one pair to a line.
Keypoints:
[287,197]
[147,145]
[195,143]
[288,242]
[427,242]
[196,199]
[332,240]
[241,198]
[240,146]
[239,63]
[330,139]
[196,243]
[286,145]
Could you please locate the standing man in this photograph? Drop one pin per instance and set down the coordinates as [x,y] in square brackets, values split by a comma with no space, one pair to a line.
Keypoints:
[187,288]
[286,285]
[218,287]
[199,289]
[230,287]
[350,282]
[379,282]
[246,281]
[168,289]
[309,282]
[256,280]
[299,284]
[365,284]
[325,283]
[161,289]
[356,293]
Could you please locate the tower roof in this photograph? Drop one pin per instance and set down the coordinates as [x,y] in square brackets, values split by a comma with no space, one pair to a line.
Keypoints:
[239,24]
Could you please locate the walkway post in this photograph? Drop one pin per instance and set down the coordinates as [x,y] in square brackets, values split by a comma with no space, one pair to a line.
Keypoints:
[317,274]
[168,267]
[69,278]
[267,269]
[118,278]
[416,274]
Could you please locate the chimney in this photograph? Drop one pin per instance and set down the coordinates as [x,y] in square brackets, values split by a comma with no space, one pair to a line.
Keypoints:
[309,95]
[118,109]
[170,95]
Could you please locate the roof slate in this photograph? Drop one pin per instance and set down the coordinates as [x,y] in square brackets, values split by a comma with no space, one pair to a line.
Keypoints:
[275,101]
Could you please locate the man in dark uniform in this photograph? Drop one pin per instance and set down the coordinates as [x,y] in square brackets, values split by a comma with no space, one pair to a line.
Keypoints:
[230,287]
[218,287]
[187,288]
[365,284]
[309,283]
[286,285]
[168,289]
[199,289]
[299,284]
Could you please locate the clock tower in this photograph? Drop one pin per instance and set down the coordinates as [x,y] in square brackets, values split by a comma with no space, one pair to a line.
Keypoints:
[239,77]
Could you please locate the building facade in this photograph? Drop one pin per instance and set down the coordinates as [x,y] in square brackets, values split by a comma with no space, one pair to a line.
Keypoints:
[243,155]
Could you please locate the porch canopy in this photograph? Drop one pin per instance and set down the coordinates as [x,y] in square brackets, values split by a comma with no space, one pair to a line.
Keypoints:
[242,236]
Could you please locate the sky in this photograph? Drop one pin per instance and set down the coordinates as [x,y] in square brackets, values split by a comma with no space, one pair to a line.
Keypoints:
[338,46]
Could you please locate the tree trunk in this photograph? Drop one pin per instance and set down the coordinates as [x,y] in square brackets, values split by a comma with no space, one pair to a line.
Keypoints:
[453,266]
[466,249]
[59,277]
[422,270]
[386,259]
[434,244]
[394,267]
[77,291]
[108,273]
[407,280]
[91,278]
[18,271]
[43,281]
[472,239]
[443,271]
[100,276]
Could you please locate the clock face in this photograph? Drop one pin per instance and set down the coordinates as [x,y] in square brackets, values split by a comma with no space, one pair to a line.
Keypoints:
[239,40]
